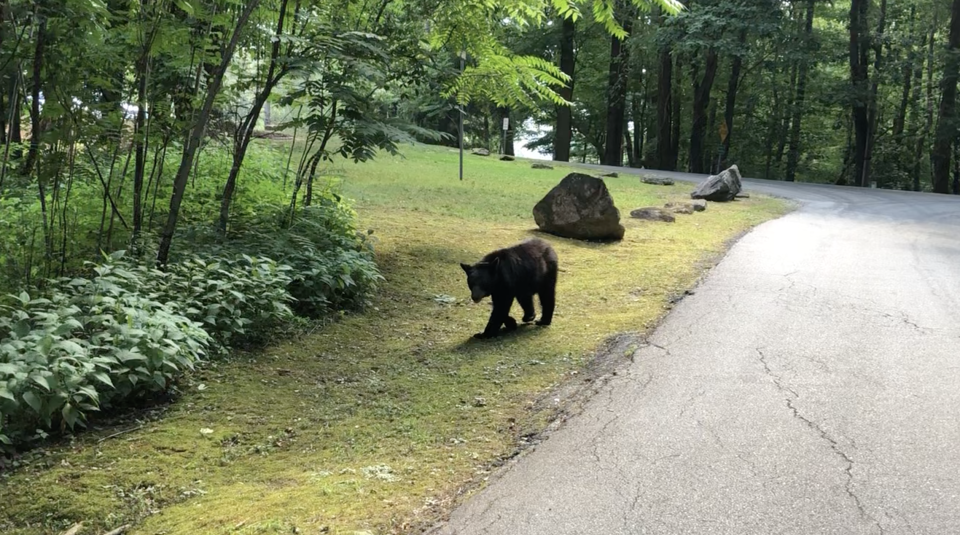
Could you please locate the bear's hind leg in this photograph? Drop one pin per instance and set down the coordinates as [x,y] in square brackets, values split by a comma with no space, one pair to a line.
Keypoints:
[548,300]
[526,303]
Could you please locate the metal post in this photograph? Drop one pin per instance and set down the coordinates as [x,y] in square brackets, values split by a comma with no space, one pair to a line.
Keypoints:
[463,57]
[503,144]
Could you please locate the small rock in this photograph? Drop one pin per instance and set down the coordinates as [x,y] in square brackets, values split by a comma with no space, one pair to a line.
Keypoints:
[541,166]
[481,152]
[679,207]
[699,204]
[657,180]
[507,158]
[653,214]
[743,196]
[611,175]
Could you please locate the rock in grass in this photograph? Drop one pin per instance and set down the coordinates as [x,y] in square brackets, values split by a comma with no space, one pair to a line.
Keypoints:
[579,207]
[653,214]
[481,152]
[721,188]
[541,166]
[507,158]
[679,207]
[611,175]
[697,205]
[657,180]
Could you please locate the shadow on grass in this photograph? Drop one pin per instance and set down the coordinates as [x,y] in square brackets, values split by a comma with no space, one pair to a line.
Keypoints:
[524,331]
[586,244]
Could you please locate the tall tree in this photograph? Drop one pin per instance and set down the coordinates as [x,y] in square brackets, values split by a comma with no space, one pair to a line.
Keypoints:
[947,120]
[564,132]
[733,85]
[793,153]
[701,100]
[616,98]
[858,49]
[665,157]
[197,132]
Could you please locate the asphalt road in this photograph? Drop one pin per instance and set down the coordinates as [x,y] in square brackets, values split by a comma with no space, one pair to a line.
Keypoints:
[811,385]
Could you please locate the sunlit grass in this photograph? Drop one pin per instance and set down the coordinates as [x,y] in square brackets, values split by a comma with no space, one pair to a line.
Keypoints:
[372,424]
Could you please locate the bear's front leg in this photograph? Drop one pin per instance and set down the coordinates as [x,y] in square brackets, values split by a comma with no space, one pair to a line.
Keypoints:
[500,315]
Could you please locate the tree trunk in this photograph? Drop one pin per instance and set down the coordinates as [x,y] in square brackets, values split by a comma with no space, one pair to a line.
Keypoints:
[616,100]
[859,80]
[244,132]
[733,85]
[906,71]
[564,133]
[677,101]
[793,154]
[638,111]
[140,131]
[772,126]
[701,100]
[35,127]
[196,135]
[947,122]
[664,110]
[874,105]
[919,125]
[783,130]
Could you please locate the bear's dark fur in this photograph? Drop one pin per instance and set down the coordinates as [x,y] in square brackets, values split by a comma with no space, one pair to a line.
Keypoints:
[516,272]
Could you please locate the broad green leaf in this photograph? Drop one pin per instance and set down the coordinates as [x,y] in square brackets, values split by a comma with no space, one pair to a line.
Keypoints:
[103,378]
[70,415]
[44,381]
[33,400]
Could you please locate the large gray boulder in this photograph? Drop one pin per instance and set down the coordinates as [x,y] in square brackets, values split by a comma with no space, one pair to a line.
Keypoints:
[579,207]
[722,188]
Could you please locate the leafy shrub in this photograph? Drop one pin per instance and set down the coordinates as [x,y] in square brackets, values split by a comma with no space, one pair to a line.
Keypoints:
[333,267]
[93,342]
[130,330]
[234,299]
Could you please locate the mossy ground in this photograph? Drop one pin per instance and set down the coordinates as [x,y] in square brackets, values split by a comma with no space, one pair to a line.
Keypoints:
[373,423]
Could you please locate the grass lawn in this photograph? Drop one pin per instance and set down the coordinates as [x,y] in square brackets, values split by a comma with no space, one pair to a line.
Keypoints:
[376,424]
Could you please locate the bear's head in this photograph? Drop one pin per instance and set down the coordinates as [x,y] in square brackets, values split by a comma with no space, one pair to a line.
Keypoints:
[481,278]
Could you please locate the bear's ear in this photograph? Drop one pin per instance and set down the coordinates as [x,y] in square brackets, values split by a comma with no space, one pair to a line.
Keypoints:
[465,267]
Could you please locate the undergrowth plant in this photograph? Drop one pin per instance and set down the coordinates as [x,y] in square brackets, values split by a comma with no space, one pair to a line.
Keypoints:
[91,343]
[130,329]
[332,266]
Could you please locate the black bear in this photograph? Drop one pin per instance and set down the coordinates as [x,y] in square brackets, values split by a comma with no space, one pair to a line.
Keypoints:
[516,272]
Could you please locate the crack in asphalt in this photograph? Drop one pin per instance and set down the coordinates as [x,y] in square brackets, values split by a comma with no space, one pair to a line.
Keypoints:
[904,319]
[814,426]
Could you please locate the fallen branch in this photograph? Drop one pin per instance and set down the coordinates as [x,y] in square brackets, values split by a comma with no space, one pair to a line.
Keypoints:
[119,530]
[118,433]
[74,529]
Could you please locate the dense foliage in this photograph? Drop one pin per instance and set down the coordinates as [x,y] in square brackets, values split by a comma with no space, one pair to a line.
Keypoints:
[851,92]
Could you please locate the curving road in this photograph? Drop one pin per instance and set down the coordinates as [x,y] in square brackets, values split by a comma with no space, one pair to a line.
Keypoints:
[810,385]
